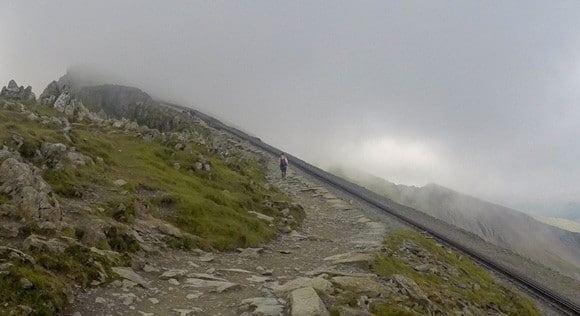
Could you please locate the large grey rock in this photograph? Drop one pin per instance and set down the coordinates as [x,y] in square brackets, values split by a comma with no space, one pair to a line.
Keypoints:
[62,101]
[250,252]
[173,273]
[93,232]
[34,242]
[170,230]
[206,276]
[25,283]
[9,229]
[12,106]
[261,216]
[360,259]
[53,154]
[16,254]
[129,274]
[316,283]
[216,286]
[367,286]
[79,112]
[305,302]
[410,287]
[6,153]
[32,195]
[79,159]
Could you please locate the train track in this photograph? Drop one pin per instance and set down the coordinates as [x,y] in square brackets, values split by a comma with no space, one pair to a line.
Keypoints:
[556,300]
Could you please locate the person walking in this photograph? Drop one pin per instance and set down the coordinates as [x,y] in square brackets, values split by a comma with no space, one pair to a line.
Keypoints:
[283,164]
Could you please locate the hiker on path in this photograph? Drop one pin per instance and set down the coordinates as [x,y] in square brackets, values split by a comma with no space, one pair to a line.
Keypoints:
[283,164]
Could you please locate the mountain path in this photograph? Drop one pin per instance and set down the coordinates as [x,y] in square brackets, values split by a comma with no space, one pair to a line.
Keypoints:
[193,282]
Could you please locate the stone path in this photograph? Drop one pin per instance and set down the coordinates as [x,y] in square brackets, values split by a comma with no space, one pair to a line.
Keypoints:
[334,238]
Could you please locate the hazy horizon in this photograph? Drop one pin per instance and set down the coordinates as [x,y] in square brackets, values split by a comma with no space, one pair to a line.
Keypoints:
[478,97]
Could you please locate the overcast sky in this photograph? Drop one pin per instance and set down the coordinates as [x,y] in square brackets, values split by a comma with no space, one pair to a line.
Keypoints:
[479,96]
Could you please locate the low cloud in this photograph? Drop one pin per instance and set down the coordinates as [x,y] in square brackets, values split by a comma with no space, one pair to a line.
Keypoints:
[480,97]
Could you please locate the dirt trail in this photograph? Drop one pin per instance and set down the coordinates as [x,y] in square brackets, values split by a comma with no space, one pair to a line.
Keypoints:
[332,226]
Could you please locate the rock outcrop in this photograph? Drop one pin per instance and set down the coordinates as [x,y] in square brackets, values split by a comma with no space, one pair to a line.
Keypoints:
[13,91]
[32,195]
[61,99]
[50,93]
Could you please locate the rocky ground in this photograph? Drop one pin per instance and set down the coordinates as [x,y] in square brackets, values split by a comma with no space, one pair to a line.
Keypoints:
[294,274]
[249,280]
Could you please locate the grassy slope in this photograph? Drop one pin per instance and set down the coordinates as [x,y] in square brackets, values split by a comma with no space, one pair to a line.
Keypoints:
[449,291]
[213,206]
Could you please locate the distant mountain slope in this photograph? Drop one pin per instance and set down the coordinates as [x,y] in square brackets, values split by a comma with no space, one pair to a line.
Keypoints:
[571,212]
[562,223]
[502,226]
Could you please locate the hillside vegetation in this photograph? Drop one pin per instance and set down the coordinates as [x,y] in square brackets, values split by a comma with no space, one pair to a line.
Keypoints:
[438,280]
[98,194]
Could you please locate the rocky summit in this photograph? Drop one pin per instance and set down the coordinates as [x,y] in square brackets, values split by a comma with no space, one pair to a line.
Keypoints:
[14,92]
[113,203]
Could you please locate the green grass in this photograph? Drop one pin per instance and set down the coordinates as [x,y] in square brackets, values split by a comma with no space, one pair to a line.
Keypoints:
[211,206]
[51,277]
[33,133]
[46,297]
[442,292]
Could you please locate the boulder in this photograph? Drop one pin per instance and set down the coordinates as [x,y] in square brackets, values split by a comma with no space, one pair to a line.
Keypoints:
[9,229]
[32,195]
[360,259]
[93,232]
[53,154]
[318,283]
[12,106]
[13,253]
[410,287]
[261,216]
[173,273]
[62,101]
[34,242]
[305,302]
[206,276]
[215,286]
[6,153]
[366,286]
[79,159]
[170,230]
[129,274]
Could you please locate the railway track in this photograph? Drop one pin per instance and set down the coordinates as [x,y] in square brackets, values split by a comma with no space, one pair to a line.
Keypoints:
[560,302]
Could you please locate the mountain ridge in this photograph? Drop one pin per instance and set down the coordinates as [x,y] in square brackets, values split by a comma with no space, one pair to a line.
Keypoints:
[499,225]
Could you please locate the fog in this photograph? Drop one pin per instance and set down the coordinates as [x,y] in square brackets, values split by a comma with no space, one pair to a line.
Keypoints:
[481,97]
